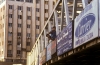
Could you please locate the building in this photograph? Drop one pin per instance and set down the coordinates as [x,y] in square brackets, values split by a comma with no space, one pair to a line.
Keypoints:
[20,24]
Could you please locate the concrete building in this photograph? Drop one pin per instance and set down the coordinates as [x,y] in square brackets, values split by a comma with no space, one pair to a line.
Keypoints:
[20,24]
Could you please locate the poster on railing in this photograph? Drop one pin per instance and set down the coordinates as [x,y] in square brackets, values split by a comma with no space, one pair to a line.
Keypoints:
[49,52]
[64,40]
[53,47]
[86,24]
[40,59]
[44,56]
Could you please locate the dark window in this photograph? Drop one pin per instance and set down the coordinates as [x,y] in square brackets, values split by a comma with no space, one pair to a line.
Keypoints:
[46,19]
[28,26]
[37,1]
[9,52]
[37,35]
[9,33]
[30,1]
[18,43]
[10,6]
[28,43]
[20,0]
[29,17]
[19,34]
[46,2]
[28,8]
[19,25]
[37,18]
[37,9]
[10,15]
[10,24]
[46,10]
[28,34]
[19,7]
[9,42]
[37,26]
[18,51]
[19,16]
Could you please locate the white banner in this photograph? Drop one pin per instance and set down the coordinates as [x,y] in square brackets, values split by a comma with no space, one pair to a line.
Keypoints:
[86,24]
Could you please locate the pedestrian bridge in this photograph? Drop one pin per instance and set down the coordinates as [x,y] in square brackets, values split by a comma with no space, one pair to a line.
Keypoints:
[78,31]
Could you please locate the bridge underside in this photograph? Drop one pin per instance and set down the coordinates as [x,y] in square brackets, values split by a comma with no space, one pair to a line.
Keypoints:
[89,56]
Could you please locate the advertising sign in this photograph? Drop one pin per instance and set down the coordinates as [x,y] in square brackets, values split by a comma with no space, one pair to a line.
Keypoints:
[99,17]
[86,24]
[64,40]
[49,52]
[53,47]
[43,56]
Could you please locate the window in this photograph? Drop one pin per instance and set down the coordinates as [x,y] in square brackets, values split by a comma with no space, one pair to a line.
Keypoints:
[19,33]
[31,1]
[46,19]
[3,7]
[46,10]
[29,17]
[18,51]
[10,24]
[9,51]
[10,15]
[28,26]
[37,9]
[37,18]
[19,7]
[19,25]
[28,8]
[28,35]
[37,35]
[20,0]
[37,26]
[9,42]
[9,33]
[46,2]
[3,16]
[19,16]
[18,43]
[28,43]
[10,6]
[37,1]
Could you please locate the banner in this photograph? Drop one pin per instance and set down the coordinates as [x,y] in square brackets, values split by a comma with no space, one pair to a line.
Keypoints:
[99,16]
[86,24]
[64,40]
[49,52]
[53,47]
[44,56]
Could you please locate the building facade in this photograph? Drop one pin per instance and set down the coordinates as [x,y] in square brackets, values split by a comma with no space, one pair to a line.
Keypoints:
[20,24]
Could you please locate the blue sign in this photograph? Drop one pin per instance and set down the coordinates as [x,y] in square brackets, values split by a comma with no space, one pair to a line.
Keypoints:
[86,24]
[49,52]
[64,40]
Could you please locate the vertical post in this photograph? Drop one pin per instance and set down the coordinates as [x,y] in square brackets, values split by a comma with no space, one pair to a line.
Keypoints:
[56,22]
[45,38]
[74,9]
[62,15]
[66,12]
[49,28]
[85,3]
[41,44]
